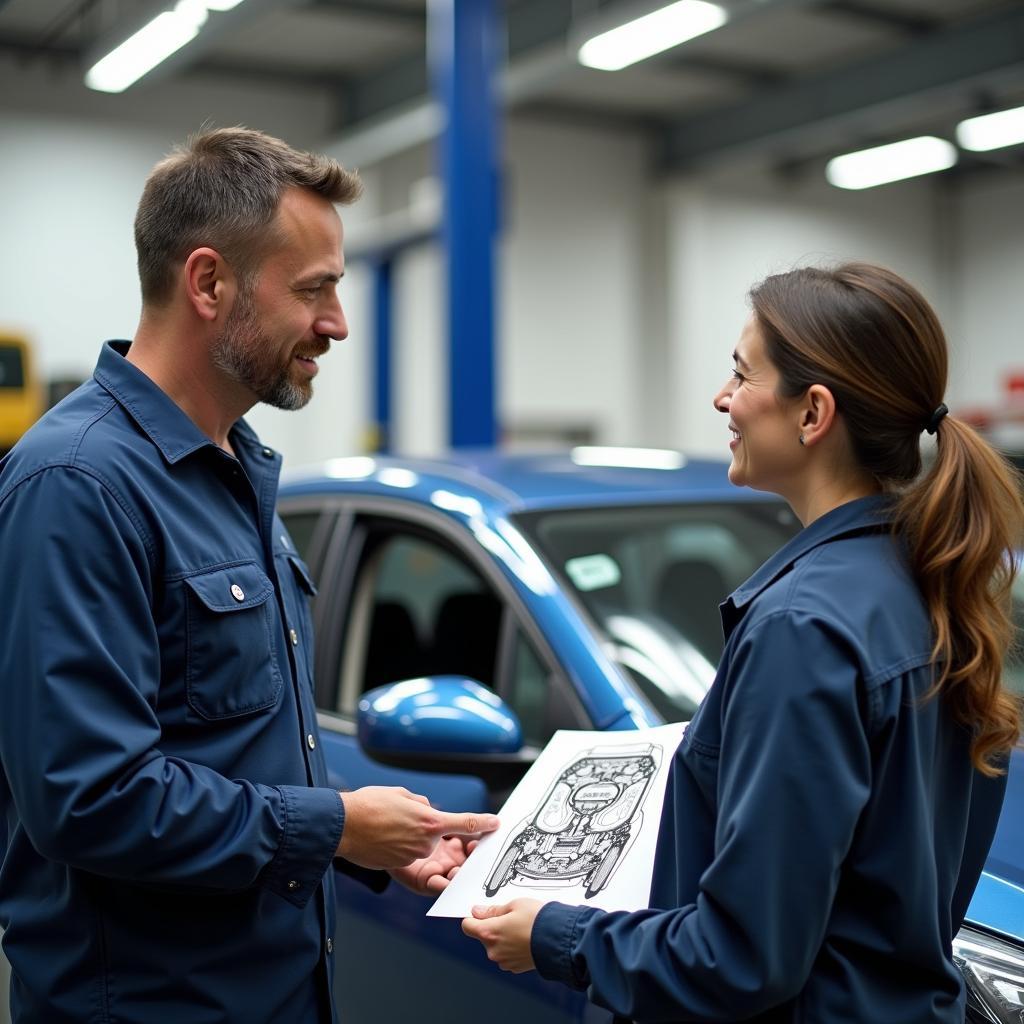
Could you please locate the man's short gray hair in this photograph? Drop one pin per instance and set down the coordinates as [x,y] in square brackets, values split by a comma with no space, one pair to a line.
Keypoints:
[221,189]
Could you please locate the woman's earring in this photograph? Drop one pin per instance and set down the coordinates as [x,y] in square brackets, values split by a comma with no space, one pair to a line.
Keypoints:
[802,439]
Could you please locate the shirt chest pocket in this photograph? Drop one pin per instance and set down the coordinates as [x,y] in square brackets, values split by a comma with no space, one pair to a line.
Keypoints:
[231,666]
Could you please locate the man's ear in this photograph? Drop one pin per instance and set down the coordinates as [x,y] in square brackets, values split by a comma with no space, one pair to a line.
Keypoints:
[209,283]
[817,414]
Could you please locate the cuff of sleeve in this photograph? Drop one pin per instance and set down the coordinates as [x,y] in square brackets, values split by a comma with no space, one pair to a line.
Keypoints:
[375,881]
[313,820]
[553,940]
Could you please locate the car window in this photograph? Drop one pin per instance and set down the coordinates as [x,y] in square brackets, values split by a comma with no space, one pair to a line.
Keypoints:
[12,368]
[302,528]
[528,692]
[652,579]
[1014,671]
[419,608]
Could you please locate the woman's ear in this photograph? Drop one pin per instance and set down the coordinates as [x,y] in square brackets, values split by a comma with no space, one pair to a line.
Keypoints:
[817,414]
[209,283]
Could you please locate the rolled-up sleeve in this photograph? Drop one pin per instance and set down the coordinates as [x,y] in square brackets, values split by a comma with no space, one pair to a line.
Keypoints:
[79,733]
[793,777]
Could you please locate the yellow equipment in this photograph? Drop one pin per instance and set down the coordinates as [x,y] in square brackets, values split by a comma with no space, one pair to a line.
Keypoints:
[21,393]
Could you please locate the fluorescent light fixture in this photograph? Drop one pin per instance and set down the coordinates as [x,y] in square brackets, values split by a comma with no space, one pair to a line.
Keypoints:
[396,476]
[153,43]
[629,458]
[882,164]
[353,467]
[992,131]
[643,37]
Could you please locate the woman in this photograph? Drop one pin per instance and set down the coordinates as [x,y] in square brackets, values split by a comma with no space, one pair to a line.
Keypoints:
[833,800]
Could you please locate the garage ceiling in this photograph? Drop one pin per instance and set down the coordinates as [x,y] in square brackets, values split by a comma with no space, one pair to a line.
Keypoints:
[791,79]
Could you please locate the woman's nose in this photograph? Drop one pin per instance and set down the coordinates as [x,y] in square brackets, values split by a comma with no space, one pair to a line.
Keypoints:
[724,396]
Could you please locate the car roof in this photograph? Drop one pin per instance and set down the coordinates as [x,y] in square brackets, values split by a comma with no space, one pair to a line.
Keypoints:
[524,481]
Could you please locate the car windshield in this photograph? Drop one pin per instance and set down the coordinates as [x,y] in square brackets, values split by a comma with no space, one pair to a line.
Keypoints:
[652,579]
[1015,662]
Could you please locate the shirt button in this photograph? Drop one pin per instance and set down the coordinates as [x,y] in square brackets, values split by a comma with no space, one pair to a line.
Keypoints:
[330,946]
[294,636]
[311,742]
[293,885]
[237,592]
[268,453]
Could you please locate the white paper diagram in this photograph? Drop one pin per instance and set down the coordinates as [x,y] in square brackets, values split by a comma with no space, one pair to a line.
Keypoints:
[584,824]
[581,827]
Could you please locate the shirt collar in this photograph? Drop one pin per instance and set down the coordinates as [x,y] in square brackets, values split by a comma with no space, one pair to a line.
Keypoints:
[160,418]
[859,516]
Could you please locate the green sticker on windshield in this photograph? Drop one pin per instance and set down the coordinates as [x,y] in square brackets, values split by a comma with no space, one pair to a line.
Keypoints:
[592,572]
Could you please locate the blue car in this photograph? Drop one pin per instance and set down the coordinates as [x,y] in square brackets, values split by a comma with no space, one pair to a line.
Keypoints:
[581,591]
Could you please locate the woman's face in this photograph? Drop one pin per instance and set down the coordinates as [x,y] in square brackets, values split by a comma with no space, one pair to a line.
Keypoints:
[766,450]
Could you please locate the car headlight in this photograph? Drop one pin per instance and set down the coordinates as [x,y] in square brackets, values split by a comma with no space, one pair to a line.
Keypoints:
[994,971]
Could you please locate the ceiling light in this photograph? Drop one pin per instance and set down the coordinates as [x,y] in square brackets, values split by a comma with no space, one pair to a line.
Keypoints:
[882,164]
[153,43]
[992,131]
[654,32]
[631,458]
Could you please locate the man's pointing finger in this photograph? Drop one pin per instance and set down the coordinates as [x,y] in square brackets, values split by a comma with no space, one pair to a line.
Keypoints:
[467,824]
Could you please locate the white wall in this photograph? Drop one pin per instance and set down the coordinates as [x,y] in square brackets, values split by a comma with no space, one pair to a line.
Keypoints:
[569,296]
[571,301]
[987,330]
[724,237]
[619,296]
[68,192]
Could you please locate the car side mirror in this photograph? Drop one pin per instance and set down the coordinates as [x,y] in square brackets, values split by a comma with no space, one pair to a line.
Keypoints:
[448,724]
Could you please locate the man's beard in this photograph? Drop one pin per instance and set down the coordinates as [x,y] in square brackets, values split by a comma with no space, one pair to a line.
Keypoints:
[238,349]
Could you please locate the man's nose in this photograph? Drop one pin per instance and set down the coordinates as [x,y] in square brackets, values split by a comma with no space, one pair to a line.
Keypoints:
[332,323]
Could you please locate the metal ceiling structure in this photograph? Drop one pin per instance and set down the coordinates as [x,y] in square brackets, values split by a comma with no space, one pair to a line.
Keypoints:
[786,80]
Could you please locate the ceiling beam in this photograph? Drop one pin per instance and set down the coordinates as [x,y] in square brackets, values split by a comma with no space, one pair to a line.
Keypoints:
[534,28]
[961,55]
[884,17]
[377,9]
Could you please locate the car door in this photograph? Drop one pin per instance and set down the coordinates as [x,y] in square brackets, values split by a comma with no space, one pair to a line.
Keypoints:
[402,594]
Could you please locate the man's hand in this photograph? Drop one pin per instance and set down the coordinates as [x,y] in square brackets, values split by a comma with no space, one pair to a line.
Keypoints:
[505,933]
[430,875]
[389,827]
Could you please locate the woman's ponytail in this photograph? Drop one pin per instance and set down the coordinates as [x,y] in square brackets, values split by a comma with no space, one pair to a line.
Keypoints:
[962,521]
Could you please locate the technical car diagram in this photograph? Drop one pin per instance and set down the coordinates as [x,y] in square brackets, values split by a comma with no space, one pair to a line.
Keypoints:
[582,829]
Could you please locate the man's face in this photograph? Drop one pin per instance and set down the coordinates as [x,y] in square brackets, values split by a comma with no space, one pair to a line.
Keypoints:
[280,324]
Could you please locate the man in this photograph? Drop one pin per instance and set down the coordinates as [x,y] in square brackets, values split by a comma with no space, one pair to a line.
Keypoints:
[169,823]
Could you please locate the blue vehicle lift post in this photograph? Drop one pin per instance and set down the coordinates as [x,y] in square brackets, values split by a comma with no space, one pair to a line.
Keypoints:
[463,52]
[382,280]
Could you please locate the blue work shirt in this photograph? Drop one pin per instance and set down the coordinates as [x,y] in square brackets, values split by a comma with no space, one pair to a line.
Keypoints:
[167,817]
[824,827]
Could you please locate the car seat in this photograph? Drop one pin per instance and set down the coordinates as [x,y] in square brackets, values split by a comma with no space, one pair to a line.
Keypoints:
[687,596]
[466,636]
[393,650]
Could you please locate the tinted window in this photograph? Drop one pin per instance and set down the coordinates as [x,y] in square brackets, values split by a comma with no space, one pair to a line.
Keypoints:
[302,528]
[419,608]
[1014,674]
[652,578]
[12,368]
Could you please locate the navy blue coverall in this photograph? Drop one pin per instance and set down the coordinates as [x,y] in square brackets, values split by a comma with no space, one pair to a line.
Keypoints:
[824,827]
[167,820]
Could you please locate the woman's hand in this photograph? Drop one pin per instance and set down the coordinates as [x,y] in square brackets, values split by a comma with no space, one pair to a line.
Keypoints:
[505,933]
[431,875]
